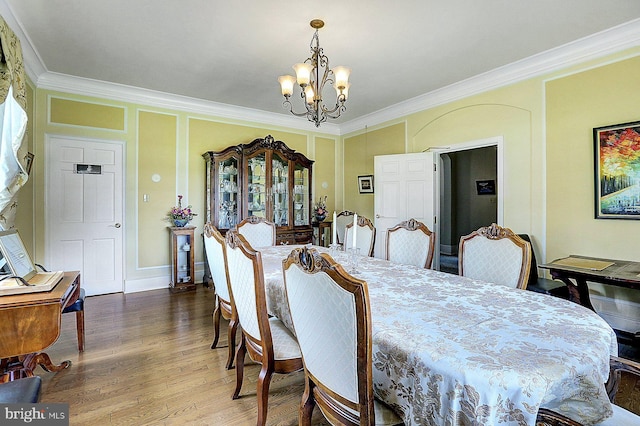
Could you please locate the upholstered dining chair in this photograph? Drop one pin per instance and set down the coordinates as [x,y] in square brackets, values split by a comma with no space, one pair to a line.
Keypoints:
[265,339]
[411,243]
[495,254]
[258,231]
[621,416]
[343,218]
[214,246]
[365,236]
[332,319]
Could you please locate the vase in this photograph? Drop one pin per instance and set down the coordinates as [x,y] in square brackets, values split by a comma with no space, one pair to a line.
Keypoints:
[180,222]
[320,217]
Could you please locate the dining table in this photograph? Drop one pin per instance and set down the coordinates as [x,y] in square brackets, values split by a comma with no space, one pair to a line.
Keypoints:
[450,350]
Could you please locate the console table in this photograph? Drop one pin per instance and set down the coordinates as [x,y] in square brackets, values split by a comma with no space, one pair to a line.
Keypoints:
[30,323]
[581,269]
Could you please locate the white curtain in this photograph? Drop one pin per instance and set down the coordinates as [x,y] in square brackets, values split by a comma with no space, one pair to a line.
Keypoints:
[13,119]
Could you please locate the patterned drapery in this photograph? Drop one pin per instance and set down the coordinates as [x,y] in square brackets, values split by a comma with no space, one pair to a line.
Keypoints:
[13,122]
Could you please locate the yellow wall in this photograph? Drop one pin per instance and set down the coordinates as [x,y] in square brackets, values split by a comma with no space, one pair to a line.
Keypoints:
[545,123]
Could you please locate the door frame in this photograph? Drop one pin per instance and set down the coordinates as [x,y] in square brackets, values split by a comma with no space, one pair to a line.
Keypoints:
[498,142]
[47,171]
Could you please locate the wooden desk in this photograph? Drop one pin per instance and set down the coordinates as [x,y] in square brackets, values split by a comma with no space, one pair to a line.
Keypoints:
[621,273]
[30,323]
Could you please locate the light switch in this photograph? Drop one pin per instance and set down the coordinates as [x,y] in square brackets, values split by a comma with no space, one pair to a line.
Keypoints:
[145,198]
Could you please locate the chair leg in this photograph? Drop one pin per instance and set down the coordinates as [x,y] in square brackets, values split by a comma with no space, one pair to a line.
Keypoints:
[231,335]
[80,329]
[239,367]
[307,404]
[216,324]
[264,381]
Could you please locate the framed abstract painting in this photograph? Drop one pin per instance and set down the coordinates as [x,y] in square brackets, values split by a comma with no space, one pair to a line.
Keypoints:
[617,171]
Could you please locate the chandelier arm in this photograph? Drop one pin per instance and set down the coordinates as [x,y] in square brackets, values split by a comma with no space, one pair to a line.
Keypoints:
[289,105]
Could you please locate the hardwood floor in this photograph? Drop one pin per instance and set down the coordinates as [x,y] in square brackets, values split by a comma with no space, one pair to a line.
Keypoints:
[148,361]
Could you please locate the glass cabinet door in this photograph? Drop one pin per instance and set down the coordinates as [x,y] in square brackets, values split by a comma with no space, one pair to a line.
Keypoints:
[280,190]
[227,214]
[301,195]
[257,185]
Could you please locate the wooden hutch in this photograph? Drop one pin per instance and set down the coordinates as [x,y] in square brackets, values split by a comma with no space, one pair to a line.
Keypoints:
[263,178]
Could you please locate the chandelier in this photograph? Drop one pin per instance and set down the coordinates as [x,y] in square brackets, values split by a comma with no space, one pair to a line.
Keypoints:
[312,75]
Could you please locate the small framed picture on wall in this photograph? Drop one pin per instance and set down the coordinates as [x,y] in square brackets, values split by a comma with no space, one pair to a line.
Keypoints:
[365,184]
[486,187]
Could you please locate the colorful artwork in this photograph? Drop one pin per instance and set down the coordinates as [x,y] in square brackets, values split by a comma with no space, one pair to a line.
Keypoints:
[617,171]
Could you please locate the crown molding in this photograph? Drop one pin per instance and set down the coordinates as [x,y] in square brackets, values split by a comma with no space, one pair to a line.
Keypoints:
[119,92]
[597,45]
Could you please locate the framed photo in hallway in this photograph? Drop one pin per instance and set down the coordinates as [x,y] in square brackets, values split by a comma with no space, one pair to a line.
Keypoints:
[617,171]
[365,184]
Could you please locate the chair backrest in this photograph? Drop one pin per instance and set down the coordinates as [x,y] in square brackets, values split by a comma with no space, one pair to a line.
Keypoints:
[365,236]
[214,247]
[332,319]
[258,231]
[343,218]
[247,292]
[621,416]
[411,243]
[495,254]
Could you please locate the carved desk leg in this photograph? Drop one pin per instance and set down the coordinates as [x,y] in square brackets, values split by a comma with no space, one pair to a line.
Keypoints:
[15,368]
[578,291]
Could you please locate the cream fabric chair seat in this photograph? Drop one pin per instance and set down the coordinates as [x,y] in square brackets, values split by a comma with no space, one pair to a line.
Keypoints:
[332,318]
[410,243]
[495,254]
[258,231]
[365,236]
[266,340]
[214,246]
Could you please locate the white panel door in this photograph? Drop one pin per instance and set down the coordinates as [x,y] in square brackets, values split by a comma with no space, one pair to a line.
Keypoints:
[404,188]
[85,210]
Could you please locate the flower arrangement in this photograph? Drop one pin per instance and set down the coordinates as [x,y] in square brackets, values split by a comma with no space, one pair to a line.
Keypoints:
[320,207]
[180,215]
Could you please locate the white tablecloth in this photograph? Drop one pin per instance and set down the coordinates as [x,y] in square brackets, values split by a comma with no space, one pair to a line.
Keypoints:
[449,350]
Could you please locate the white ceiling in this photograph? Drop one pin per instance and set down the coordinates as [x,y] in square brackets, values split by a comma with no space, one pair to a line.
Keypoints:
[231,52]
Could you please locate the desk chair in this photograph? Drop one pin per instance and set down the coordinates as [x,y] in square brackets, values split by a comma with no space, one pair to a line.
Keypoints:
[495,254]
[343,218]
[266,340]
[258,231]
[621,417]
[214,246]
[332,317]
[21,391]
[411,243]
[365,236]
[78,308]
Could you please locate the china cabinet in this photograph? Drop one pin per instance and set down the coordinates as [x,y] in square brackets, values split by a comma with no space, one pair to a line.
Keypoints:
[263,178]
[182,264]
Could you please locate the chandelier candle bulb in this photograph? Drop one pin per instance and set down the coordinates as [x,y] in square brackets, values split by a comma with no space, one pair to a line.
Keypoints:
[355,229]
[334,230]
[342,76]
[303,73]
[286,83]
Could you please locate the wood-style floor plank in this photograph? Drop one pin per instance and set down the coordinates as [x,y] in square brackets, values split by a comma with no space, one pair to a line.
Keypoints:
[147,361]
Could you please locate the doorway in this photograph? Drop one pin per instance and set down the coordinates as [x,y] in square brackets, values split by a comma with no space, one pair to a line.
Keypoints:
[470,190]
[84,211]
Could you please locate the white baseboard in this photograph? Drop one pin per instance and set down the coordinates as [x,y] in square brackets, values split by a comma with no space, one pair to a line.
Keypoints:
[156,283]
[620,314]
